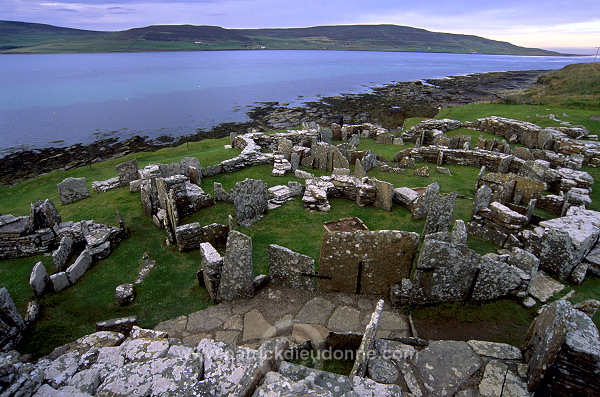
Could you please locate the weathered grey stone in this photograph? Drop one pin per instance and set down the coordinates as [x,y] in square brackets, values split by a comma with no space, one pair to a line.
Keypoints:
[39,280]
[492,381]
[122,325]
[235,371]
[359,171]
[72,189]
[344,319]
[524,260]
[44,214]
[439,214]
[59,281]
[421,207]
[128,172]
[125,294]
[337,385]
[445,272]
[365,261]
[87,381]
[160,377]
[11,322]
[256,327]
[237,280]
[303,174]
[482,199]
[501,351]
[250,198]
[574,371]
[290,269]
[544,287]
[221,194]
[367,344]
[459,232]
[385,191]
[495,279]
[315,311]
[422,171]
[588,307]
[61,256]
[445,365]
[79,267]
[212,263]
[544,340]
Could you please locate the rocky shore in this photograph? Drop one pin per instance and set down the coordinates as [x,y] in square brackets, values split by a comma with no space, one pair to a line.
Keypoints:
[389,106]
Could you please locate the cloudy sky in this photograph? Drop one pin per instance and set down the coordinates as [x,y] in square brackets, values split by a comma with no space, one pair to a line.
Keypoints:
[549,24]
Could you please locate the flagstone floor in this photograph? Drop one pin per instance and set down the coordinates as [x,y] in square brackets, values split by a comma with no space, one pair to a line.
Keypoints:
[297,315]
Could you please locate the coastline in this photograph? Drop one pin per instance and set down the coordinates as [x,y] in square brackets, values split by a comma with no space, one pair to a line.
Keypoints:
[388,105]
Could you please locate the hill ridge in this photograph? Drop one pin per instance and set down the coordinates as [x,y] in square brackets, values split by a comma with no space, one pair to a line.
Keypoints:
[25,37]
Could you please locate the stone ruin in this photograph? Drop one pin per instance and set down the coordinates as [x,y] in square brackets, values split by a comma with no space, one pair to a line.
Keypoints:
[231,276]
[560,357]
[448,271]
[41,232]
[367,262]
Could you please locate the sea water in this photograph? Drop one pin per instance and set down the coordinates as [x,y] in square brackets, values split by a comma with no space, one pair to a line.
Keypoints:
[62,99]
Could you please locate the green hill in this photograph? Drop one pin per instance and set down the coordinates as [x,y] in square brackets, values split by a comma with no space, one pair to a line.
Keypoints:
[23,37]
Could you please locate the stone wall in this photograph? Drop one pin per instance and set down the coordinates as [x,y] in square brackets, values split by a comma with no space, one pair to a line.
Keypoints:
[191,235]
[290,269]
[365,261]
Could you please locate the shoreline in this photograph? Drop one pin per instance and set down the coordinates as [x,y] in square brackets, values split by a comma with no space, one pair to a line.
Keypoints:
[388,105]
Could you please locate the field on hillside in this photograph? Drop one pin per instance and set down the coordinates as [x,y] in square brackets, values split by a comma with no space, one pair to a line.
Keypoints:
[172,289]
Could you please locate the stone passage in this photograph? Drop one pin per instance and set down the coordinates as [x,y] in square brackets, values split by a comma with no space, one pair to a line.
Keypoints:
[366,262]
[250,198]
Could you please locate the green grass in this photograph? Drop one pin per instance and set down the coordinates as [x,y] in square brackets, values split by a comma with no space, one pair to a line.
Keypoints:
[171,289]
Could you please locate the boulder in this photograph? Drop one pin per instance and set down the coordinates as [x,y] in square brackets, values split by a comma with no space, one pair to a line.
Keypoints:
[125,294]
[72,189]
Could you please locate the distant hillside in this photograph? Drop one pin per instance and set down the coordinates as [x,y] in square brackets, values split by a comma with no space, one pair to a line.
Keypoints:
[23,37]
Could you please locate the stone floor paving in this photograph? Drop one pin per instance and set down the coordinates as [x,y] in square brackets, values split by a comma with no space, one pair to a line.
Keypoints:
[297,315]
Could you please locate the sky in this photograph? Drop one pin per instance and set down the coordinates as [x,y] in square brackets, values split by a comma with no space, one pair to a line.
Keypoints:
[563,25]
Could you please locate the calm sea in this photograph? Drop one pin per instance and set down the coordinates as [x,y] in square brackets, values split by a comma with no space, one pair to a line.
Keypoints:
[55,100]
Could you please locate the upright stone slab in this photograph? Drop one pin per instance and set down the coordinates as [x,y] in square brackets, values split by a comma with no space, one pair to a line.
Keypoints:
[544,340]
[61,256]
[495,279]
[39,280]
[44,214]
[385,192]
[72,189]
[237,280]
[421,207]
[250,199]
[221,194]
[11,322]
[335,159]
[127,172]
[482,200]
[212,263]
[440,213]
[359,171]
[81,265]
[290,269]
[365,261]
[445,272]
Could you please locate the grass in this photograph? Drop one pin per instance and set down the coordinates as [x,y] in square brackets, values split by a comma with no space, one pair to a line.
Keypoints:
[171,289]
